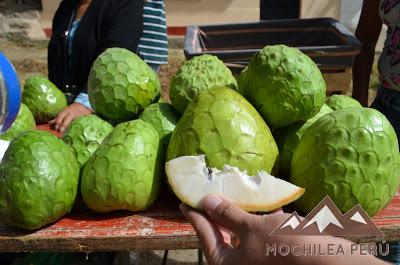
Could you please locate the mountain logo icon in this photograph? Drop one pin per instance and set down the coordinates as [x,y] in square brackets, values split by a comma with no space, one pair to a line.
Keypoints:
[326,219]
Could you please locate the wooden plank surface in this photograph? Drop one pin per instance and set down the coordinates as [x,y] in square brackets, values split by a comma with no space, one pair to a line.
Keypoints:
[46,127]
[388,220]
[161,227]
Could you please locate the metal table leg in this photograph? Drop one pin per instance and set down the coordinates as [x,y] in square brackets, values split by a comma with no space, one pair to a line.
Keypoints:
[164,261]
[199,257]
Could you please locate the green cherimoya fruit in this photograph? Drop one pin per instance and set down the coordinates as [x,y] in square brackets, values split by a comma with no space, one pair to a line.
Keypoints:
[284,85]
[221,124]
[38,180]
[43,98]
[352,155]
[289,137]
[163,118]
[124,173]
[24,122]
[196,75]
[337,102]
[121,85]
[85,134]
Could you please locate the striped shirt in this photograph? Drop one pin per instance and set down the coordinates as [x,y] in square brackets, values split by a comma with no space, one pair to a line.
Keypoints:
[153,46]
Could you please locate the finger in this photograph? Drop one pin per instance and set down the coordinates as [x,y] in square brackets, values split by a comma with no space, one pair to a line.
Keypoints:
[280,210]
[225,234]
[227,214]
[52,124]
[67,120]
[59,120]
[211,239]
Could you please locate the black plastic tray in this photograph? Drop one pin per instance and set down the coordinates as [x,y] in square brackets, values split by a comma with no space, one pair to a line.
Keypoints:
[325,40]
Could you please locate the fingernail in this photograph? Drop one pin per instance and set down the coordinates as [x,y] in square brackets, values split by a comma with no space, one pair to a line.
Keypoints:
[277,211]
[62,129]
[56,127]
[210,203]
[181,206]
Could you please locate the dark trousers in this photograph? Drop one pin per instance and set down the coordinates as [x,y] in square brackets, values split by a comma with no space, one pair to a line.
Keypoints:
[387,101]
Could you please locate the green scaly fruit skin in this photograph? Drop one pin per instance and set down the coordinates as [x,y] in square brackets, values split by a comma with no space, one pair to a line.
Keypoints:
[124,173]
[163,100]
[289,137]
[24,122]
[43,98]
[85,134]
[337,102]
[284,85]
[352,155]
[196,75]
[163,118]
[121,85]
[38,180]
[224,126]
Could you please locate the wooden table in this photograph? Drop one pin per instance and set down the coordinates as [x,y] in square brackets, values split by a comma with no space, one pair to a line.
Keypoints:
[161,227]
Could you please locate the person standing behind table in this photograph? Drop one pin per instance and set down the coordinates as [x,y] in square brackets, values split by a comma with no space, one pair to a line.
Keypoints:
[387,101]
[373,14]
[153,46]
[82,30]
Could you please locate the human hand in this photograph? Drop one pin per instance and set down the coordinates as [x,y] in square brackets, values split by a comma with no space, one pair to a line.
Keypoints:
[67,115]
[222,217]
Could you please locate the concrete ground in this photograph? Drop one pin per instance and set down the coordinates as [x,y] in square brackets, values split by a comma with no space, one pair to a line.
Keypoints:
[30,58]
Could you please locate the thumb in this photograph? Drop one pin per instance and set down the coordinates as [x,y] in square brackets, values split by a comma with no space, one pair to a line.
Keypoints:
[226,214]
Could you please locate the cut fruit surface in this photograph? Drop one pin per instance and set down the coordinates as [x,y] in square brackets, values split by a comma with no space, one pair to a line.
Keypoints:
[192,180]
[3,148]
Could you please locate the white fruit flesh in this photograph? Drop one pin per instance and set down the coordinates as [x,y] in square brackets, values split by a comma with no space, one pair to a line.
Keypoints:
[3,148]
[192,180]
